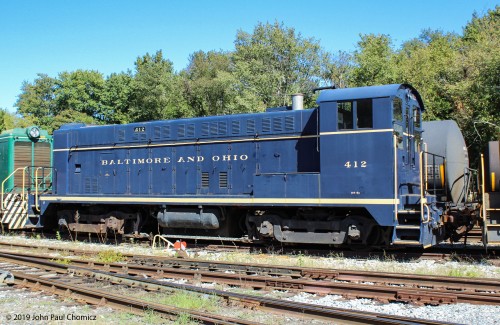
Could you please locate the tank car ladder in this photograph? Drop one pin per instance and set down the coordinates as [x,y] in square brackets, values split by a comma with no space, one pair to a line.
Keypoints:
[490,211]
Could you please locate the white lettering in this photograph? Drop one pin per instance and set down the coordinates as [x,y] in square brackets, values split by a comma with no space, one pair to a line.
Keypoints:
[157,160]
[149,161]
[243,157]
[215,158]
[166,160]
[200,158]
[104,162]
[181,159]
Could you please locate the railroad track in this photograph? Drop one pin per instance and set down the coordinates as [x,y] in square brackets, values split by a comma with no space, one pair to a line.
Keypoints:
[37,270]
[382,286]
[445,254]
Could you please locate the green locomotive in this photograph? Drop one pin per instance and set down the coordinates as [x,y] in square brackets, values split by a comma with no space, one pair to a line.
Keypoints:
[25,172]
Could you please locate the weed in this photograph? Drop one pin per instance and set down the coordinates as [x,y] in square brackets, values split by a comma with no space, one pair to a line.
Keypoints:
[63,261]
[58,235]
[151,317]
[109,256]
[188,300]
[465,272]
[185,319]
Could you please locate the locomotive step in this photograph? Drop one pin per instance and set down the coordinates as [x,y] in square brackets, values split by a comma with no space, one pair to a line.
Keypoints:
[410,227]
[407,242]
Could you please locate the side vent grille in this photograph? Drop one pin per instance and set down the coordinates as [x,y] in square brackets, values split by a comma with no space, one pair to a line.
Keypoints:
[235,127]
[266,125]
[165,131]
[251,126]
[205,179]
[278,124]
[205,129]
[181,131]
[222,128]
[223,179]
[289,123]
[190,131]
[213,128]
[121,135]
[157,132]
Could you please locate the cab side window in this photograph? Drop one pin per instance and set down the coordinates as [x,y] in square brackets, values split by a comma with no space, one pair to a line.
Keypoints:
[364,113]
[345,115]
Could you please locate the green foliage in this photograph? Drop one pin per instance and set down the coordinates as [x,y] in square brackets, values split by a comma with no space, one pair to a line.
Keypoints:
[274,62]
[156,90]
[457,76]
[373,61]
[110,256]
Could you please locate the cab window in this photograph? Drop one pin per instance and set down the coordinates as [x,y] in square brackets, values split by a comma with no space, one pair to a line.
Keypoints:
[344,115]
[364,113]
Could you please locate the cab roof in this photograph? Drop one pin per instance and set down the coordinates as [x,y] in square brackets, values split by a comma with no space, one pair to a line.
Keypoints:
[342,94]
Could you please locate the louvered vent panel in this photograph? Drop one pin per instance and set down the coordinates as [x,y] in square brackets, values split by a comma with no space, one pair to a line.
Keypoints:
[251,126]
[266,125]
[277,124]
[205,128]
[213,128]
[165,130]
[121,135]
[205,179]
[223,179]
[222,128]
[157,132]
[289,123]
[22,158]
[181,131]
[190,131]
[235,127]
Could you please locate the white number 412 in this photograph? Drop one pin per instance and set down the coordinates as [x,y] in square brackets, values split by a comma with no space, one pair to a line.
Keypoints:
[355,164]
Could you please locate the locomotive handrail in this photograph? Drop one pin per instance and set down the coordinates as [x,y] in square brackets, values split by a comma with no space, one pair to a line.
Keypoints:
[483,205]
[2,203]
[37,208]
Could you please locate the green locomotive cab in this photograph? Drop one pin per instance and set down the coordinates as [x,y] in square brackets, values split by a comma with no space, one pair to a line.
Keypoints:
[25,172]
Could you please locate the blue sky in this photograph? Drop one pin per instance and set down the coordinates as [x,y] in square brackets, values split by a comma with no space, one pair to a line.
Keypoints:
[52,36]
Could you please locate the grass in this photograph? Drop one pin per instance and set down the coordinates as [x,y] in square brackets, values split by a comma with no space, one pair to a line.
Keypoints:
[63,261]
[110,256]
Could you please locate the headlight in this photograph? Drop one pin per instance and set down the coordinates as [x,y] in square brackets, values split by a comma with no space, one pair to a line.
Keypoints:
[34,132]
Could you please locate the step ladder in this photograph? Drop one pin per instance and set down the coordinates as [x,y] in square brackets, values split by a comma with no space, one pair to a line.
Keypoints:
[491,218]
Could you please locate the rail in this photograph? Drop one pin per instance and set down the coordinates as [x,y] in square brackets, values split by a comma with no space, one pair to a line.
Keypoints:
[2,203]
[44,179]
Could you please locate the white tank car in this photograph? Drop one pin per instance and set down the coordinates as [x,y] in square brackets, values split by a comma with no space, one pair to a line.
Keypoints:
[444,138]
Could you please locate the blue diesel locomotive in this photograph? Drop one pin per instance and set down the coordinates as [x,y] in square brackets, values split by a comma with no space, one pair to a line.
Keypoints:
[351,171]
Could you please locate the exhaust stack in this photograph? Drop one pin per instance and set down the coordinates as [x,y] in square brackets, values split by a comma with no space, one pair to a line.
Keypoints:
[297,102]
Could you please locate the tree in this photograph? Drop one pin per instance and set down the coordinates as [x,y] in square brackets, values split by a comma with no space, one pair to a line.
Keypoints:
[426,63]
[373,61]
[81,91]
[337,69]
[37,100]
[476,94]
[210,86]
[274,62]
[156,90]
[116,98]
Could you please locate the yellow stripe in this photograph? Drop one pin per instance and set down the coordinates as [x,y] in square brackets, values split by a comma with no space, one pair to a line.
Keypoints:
[357,131]
[197,200]
[175,144]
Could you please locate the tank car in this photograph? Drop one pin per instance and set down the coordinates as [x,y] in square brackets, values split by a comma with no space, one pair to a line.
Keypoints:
[25,172]
[350,171]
